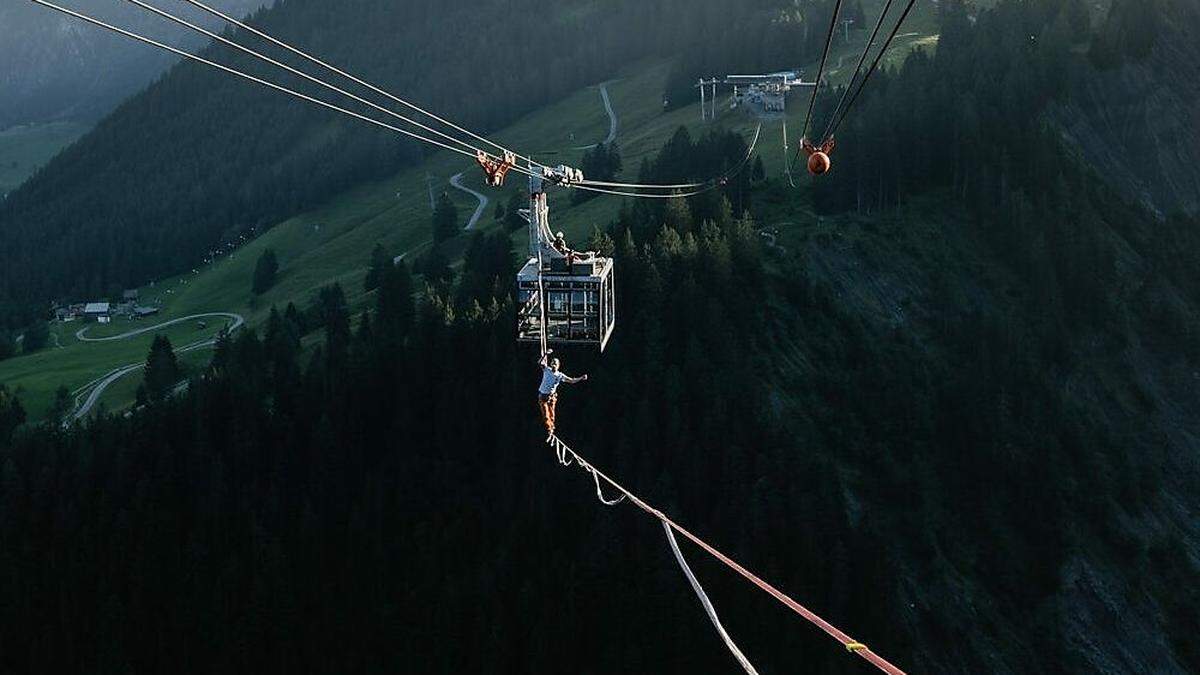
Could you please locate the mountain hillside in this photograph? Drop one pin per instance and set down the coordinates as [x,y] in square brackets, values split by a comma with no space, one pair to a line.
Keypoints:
[200,158]
[56,69]
[1137,120]
[947,395]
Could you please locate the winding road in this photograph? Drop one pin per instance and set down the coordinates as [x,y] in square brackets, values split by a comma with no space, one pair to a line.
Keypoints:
[237,323]
[456,182]
[95,388]
[612,120]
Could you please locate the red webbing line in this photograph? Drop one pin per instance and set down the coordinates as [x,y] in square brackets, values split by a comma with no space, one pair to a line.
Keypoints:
[847,642]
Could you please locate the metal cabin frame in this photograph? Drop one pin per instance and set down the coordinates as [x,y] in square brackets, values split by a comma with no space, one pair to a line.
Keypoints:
[580,303]
[575,288]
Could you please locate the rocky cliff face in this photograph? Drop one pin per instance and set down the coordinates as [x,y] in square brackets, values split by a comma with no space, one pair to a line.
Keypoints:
[1139,123]
[53,67]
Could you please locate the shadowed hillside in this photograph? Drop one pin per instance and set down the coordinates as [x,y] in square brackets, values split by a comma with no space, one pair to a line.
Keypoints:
[947,395]
[54,69]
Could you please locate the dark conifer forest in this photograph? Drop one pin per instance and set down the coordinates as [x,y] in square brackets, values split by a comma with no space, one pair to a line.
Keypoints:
[956,416]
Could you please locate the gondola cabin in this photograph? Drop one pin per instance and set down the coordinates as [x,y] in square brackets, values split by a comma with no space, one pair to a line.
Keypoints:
[578,297]
[569,292]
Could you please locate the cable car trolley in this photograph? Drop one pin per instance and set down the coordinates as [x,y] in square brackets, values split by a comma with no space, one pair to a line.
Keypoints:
[569,293]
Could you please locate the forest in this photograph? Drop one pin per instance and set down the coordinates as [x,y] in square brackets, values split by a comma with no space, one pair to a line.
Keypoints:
[948,481]
[199,158]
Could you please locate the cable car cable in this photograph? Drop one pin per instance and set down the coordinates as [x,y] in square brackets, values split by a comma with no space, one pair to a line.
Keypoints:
[857,69]
[357,80]
[709,185]
[306,76]
[325,104]
[812,101]
[294,71]
[874,66]
[252,78]
[640,195]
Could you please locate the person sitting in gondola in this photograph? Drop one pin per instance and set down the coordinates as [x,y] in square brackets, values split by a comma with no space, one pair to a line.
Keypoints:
[560,245]
[548,391]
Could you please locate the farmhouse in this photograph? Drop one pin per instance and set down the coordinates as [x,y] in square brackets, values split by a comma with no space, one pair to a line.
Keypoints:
[97,311]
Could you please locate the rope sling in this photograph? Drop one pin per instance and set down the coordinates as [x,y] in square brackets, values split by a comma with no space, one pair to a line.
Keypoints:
[567,456]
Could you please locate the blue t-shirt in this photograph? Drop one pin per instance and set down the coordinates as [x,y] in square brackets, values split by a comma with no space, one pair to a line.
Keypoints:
[550,380]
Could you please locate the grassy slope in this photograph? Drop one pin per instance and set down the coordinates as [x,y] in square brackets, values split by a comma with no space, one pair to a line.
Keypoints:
[332,243]
[24,149]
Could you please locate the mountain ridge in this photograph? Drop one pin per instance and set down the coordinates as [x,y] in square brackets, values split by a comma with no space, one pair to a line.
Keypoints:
[54,68]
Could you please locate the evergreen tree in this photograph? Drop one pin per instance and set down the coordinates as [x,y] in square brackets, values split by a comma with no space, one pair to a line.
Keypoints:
[12,414]
[37,334]
[162,369]
[395,308]
[445,219]
[601,242]
[678,216]
[265,271]
[295,318]
[436,268]
[377,268]
[512,217]
[335,317]
[603,163]
[7,347]
[63,404]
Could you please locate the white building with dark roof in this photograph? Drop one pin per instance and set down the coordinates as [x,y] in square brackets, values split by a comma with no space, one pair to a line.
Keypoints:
[95,310]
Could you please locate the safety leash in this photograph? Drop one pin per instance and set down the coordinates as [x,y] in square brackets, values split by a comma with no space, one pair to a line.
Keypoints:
[708,606]
[853,646]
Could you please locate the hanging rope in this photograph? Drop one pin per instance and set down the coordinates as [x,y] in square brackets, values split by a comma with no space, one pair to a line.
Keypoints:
[708,606]
[787,166]
[541,298]
[853,646]
[566,457]
[561,451]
